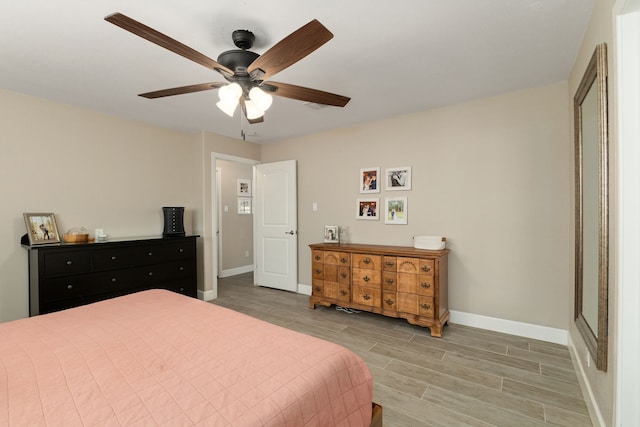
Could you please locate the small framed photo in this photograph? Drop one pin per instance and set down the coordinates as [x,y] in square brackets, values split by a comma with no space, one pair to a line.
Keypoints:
[395,210]
[41,228]
[367,209]
[244,205]
[398,179]
[331,234]
[369,180]
[244,187]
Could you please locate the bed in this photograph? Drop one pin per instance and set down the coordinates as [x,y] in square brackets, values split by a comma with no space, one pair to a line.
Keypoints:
[159,358]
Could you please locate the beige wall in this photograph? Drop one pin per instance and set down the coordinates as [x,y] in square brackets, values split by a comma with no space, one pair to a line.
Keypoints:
[492,175]
[90,170]
[237,229]
[602,384]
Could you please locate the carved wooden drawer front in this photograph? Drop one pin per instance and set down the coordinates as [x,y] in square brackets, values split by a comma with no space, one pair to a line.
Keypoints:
[391,280]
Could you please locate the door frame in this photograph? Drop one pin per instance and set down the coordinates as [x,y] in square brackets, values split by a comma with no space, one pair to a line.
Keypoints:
[214,211]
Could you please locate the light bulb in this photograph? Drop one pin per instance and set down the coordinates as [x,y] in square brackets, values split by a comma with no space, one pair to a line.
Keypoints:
[230,92]
[229,107]
[260,98]
[253,112]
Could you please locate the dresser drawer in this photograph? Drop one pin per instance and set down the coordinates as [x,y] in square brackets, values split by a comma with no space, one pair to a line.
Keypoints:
[389,301]
[151,254]
[157,273]
[337,258]
[425,285]
[415,304]
[389,263]
[87,284]
[337,291]
[317,256]
[389,281]
[427,266]
[111,258]
[317,270]
[317,287]
[408,265]
[366,296]
[372,262]
[364,277]
[63,263]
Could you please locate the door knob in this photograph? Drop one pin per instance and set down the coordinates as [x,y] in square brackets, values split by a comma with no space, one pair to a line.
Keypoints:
[290,232]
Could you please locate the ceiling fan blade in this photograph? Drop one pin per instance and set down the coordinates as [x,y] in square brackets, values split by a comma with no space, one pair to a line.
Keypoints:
[244,111]
[181,90]
[166,42]
[290,50]
[305,94]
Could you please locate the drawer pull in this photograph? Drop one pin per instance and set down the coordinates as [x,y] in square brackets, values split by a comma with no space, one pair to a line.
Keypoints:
[343,275]
[425,285]
[343,260]
[367,261]
[181,289]
[366,278]
[150,254]
[318,288]
[318,271]
[426,268]
[367,297]
[181,268]
[150,273]
[69,287]
[343,292]
[180,250]
[113,258]
[69,262]
[389,301]
[389,263]
[390,281]
[114,280]
[318,257]
[425,306]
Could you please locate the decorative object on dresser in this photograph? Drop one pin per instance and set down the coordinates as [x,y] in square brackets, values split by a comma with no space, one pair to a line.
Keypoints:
[331,234]
[395,281]
[41,228]
[69,275]
[173,221]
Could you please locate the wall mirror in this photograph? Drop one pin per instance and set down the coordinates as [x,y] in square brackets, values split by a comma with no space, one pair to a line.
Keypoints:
[592,207]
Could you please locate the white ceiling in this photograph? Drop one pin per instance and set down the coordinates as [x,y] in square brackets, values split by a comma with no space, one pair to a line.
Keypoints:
[392,57]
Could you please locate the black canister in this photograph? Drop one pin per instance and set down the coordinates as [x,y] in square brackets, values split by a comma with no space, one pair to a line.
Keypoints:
[173,222]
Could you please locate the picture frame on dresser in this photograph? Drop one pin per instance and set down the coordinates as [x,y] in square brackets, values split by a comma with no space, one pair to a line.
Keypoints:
[331,234]
[41,228]
[395,210]
[368,209]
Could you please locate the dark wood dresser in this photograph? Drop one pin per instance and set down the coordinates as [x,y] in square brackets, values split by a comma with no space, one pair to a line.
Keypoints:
[68,275]
[395,281]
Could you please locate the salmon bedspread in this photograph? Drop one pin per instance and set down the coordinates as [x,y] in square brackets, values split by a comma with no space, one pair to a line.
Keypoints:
[160,358]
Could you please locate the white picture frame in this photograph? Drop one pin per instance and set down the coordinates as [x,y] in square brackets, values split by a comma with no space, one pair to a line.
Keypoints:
[244,187]
[331,234]
[369,180]
[368,209]
[395,210]
[398,178]
[244,205]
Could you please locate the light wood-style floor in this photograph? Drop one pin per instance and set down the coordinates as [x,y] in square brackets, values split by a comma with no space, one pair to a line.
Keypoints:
[470,377]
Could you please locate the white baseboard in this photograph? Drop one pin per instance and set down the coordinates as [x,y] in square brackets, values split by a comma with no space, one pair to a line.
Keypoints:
[587,391]
[543,333]
[304,289]
[206,295]
[236,271]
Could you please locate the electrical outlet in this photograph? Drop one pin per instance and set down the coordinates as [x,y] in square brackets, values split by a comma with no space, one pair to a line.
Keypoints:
[246,253]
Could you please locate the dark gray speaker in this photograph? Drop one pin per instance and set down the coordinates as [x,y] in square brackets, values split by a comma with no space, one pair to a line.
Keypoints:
[173,222]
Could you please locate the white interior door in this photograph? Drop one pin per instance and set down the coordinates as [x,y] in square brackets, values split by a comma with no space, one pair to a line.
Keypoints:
[276,225]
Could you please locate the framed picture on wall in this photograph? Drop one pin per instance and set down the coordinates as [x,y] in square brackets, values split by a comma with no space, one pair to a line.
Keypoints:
[244,187]
[369,180]
[244,205]
[41,228]
[398,179]
[395,210]
[367,209]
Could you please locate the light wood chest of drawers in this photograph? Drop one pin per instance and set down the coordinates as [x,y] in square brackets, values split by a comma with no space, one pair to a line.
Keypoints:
[396,281]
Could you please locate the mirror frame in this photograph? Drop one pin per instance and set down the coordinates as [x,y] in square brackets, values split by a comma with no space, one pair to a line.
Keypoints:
[595,77]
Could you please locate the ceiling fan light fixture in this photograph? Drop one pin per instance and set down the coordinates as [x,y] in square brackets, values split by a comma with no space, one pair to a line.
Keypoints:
[262,99]
[253,112]
[228,106]
[230,93]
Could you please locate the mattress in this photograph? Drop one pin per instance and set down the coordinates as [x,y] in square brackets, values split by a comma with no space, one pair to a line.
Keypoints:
[160,358]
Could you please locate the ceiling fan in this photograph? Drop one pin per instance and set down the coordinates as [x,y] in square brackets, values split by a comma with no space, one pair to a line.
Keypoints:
[246,72]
